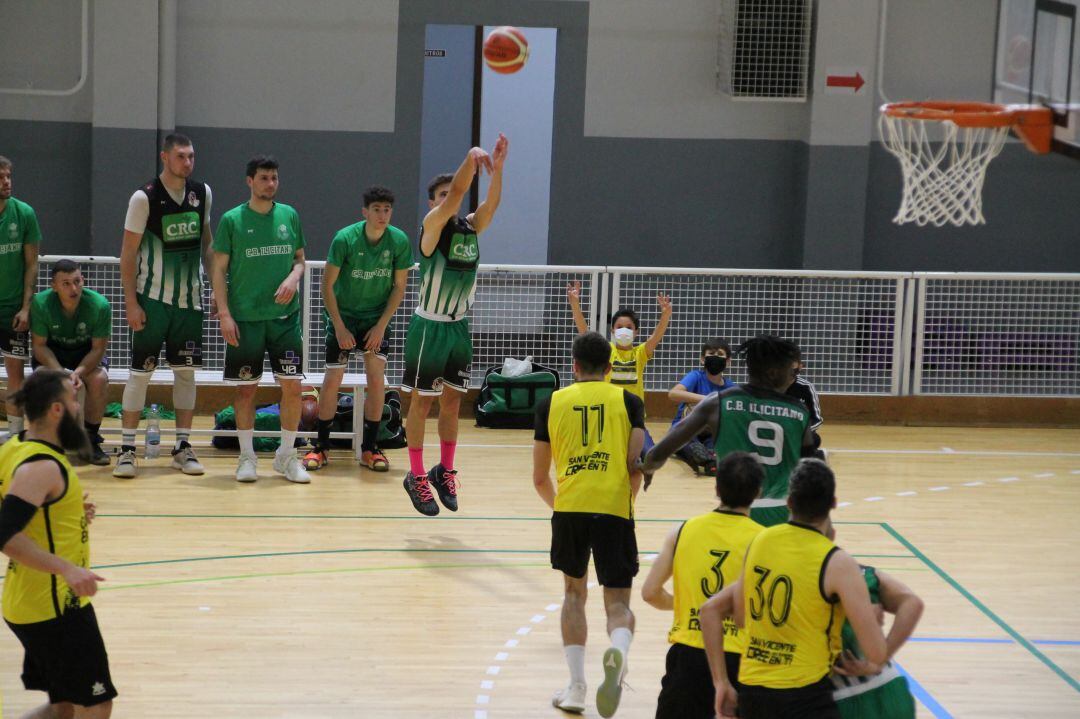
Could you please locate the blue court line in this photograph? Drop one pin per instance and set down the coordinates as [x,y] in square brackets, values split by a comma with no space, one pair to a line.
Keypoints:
[989,640]
[924,697]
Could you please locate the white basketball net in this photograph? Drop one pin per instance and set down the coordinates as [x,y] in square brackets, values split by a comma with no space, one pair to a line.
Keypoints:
[943,179]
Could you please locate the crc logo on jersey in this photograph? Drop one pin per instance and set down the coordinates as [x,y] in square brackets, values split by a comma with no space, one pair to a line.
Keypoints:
[359,274]
[385,255]
[81,328]
[463,248]
[193,199]
[182,227]
[283,232]
[245,373]
[13,231]
[149,364]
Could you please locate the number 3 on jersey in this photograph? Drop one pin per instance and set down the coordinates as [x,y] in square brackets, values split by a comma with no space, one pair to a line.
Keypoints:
[768,437]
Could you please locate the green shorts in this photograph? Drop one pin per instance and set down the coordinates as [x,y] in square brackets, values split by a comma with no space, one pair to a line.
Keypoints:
[281,338]
[13,344]
[437,354]
[178,328]
[339,358]
[769,516]
[889,701]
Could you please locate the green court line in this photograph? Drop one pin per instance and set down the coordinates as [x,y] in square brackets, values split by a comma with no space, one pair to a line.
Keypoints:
[366,550]
[348,570]
[983,608]
[384,516]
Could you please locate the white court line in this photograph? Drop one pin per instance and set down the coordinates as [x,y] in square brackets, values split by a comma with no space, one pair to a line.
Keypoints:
[552,607]
[1075,471]
[944,450]
[537,619]
[511,643]
[1009,479]
[493,670]
[502,656]
[482,698]
[1043,475]
[874,499]
[977,483]
[523,631]
[487,684]
[938,489]
[480,714]
[843,504]
[906,494]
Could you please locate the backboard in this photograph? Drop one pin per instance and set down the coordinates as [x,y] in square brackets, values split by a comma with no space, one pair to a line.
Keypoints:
[1038,61]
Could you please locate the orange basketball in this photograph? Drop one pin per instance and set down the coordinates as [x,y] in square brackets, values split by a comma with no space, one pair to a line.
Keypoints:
[506,50]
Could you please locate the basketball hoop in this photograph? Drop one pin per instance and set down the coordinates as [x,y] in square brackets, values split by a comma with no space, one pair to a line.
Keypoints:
[943,178]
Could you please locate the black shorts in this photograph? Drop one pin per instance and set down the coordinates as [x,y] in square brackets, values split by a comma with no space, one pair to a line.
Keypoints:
[610,539]
[15,345]
[66,658]
[687,687]
[814,701]
[70,359]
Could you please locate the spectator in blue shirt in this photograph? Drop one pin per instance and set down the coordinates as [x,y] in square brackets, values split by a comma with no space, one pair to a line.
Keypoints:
[698,384]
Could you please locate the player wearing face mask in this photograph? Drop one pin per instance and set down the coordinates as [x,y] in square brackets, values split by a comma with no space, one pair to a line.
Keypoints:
[627,359]
[698,384]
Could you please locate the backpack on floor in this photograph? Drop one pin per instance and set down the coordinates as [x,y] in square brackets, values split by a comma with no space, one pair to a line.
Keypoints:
[391,427]
[510,402]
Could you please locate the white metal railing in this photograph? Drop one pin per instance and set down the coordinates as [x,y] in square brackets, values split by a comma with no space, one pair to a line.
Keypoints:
[881,333]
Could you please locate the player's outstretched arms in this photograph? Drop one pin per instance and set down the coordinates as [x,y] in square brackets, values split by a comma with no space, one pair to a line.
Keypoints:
[573,297]
[706,414]
[843,579]
[661,327]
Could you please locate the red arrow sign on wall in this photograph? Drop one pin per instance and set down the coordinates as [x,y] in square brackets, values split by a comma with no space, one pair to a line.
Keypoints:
[853,81]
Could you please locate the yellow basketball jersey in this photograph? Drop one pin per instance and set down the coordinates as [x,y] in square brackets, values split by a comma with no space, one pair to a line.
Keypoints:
[590,435]
[58,527]
[792,630]
[709,555]
[628,369]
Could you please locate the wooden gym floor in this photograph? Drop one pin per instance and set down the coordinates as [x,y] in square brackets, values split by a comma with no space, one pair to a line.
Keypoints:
[338,600]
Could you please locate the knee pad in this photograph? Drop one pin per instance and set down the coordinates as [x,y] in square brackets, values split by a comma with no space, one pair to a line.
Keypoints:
[183,392]
[135,391]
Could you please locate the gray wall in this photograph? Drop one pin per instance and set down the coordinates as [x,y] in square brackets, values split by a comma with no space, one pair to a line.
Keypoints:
[645,152]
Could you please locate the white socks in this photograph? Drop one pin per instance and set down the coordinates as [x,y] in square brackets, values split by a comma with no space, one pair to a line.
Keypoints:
[621,638]
[575,660]
[288,443]
[247,441]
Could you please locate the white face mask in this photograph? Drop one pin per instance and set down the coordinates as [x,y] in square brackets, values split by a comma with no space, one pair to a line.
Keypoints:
[624,336]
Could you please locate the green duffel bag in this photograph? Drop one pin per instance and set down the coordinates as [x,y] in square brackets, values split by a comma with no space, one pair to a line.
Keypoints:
[510,402]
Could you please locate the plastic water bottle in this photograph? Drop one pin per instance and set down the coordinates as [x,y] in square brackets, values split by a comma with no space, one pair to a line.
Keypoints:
[153,433]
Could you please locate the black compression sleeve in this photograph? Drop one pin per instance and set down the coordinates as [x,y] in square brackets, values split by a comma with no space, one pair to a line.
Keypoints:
[15,514]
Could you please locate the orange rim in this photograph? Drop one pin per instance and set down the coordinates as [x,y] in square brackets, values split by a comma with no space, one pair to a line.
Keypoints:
[1032,123]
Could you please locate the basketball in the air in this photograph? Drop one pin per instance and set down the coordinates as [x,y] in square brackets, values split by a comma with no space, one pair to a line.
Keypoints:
[506,50]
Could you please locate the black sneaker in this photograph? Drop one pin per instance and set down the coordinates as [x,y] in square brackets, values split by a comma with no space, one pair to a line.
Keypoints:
[445,483]
[419,491]
[97,455]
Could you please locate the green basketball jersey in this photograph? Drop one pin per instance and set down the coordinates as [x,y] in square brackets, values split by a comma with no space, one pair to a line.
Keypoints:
[367,270]
[448,276]
[18,228]
[885,695]
[170,253]
[765,423]
[92,319]
[261,249]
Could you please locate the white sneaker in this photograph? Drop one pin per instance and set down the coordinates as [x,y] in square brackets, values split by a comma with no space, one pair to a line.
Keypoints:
[610,692]
[246,471]
[126,466]
[184,459]
[571,699]
[289,465]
